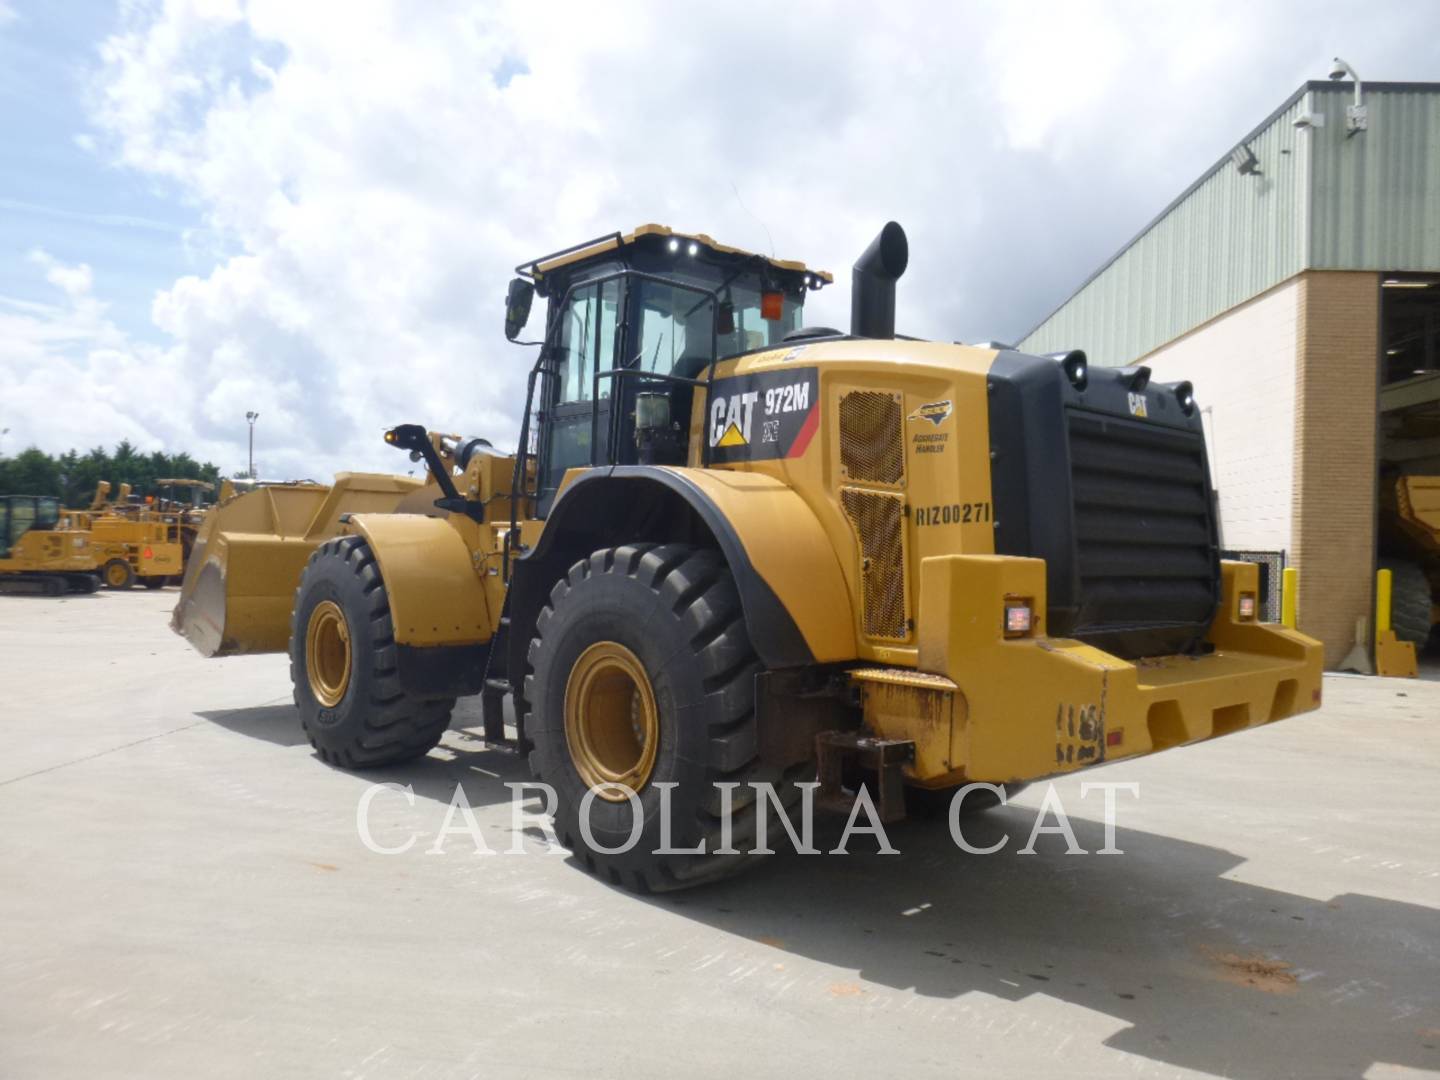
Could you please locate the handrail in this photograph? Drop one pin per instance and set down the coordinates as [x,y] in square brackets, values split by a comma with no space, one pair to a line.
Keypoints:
[532,267]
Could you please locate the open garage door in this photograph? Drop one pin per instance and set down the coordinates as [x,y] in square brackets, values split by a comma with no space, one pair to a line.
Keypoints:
[1409,525]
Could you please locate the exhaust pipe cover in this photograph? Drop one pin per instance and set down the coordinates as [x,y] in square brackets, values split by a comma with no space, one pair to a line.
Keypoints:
[872,292]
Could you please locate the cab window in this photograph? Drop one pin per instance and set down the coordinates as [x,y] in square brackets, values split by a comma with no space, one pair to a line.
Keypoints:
[677,324]
[754,331]
[676,330]
[587,339]
[585,344]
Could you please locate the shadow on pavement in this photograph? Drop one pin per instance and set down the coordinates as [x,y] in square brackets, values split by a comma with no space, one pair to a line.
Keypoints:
[279,724]
[1199,970]
[1205,972]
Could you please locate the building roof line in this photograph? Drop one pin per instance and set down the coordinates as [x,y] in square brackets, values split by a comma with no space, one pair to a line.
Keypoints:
[1346,86]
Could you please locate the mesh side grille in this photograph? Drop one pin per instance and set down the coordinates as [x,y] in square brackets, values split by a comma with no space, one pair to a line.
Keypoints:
[872,445]
[877,518]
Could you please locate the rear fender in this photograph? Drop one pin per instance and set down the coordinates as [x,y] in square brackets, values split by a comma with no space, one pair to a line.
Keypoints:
[796,603]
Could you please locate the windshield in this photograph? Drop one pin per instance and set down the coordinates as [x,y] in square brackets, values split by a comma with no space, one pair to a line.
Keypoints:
[676,323]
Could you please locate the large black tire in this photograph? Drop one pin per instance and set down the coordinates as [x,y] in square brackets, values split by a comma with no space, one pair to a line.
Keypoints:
[1410,601]
[117,574]
[154,581]
[374,721]
[676,610]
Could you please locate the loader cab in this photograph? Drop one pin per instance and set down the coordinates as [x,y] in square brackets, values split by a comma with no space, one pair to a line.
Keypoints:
[634,325]
[21,513]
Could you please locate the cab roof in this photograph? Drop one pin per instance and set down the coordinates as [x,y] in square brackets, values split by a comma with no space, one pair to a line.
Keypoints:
[614,241]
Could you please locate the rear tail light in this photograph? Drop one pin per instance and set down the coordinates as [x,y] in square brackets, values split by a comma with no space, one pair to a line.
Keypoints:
[1019,619]
[1247,607]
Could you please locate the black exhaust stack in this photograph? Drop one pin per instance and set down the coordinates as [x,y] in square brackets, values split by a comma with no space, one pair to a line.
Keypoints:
[872,293]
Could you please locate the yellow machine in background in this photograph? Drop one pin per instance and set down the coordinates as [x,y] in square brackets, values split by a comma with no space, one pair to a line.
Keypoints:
[1410,550]
[38,553]
[732,550]
[146,542]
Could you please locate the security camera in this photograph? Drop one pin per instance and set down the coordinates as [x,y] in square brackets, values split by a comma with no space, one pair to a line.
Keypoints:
[1357,117]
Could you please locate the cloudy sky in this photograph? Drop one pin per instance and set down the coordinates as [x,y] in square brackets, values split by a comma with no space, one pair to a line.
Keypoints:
[310,209]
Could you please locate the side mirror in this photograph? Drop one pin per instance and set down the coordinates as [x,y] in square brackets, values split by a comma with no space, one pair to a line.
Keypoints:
[725,318]
[518,298]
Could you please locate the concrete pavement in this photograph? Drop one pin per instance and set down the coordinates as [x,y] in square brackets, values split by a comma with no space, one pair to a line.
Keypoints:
[183,892]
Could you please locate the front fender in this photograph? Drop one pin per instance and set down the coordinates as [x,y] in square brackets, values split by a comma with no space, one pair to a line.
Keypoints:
[441,618]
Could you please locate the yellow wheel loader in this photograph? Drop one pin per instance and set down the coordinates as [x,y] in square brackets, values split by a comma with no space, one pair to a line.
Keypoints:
[39,553]
[733,551]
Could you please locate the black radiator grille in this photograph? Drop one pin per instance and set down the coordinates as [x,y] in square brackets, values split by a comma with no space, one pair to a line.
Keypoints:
[1145,557]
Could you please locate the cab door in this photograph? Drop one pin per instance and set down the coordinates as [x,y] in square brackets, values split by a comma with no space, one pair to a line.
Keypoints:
[585,342]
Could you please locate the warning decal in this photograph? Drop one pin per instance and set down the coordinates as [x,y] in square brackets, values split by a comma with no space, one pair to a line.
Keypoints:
[764,415]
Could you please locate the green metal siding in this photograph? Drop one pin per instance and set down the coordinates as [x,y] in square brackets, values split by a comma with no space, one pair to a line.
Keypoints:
[1369,202]
[1376,202]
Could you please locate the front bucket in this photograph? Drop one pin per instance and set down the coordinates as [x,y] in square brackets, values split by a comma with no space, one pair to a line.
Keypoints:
[247,558]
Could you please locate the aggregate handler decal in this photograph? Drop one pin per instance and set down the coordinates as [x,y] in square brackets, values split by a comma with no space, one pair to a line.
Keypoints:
[931,441]
[937,412]
[764,415]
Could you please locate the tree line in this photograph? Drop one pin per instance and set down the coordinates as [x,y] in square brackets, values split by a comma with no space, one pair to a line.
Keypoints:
[73,476]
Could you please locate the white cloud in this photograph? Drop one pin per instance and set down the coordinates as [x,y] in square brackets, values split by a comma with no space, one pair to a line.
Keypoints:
[74,281]
[367,185]
[73,379]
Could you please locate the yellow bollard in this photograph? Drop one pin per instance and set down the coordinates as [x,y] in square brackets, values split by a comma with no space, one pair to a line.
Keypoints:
[1384,585]
[1392,656]
[1289,596]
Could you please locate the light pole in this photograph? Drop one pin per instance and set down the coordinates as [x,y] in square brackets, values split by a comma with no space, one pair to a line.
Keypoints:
[252,417]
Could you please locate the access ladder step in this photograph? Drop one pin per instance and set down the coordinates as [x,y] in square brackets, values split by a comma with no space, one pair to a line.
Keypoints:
[492,709]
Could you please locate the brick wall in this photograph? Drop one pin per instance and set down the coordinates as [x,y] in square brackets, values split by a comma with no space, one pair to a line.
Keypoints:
[1334,467]
[1243,367]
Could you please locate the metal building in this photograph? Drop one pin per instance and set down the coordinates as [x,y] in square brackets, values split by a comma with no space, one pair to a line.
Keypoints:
[1297,285]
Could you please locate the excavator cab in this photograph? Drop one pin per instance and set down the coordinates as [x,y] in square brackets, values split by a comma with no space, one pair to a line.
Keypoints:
[21,513]
[634,324]
[39,550]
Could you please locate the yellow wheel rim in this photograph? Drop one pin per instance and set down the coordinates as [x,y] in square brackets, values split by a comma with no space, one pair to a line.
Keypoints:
[116,573]
[611,724]
[327,653]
